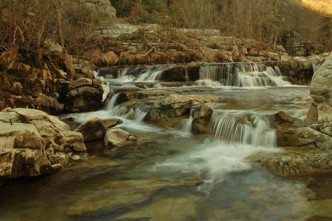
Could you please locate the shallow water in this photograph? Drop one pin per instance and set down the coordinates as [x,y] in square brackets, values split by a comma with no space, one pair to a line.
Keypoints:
[170,175]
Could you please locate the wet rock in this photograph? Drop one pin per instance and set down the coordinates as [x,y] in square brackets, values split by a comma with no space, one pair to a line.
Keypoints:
[304,137]
[33,143]
[123,194]
[117,138]
[202,117]
[84,95]
[299,70]
[92,130]
[109,123]
[183,208]
[175,105]
[296,162]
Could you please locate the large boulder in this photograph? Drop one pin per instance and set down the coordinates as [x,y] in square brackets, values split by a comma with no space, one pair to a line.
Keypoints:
[92,130]
[84,95]
[321,92]
[33,143]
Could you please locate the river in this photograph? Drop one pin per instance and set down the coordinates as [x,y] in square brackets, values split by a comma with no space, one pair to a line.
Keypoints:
[172,174]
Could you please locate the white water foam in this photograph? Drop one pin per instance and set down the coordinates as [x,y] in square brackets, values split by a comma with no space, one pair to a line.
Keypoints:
[243,128]
[241,75]
[213,161]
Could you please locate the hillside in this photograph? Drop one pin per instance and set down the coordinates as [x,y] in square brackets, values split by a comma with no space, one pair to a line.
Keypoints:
[321,6]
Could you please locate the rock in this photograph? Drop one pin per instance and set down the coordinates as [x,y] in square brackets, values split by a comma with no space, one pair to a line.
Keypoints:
[321,91]
[202,116]
[293,43]
[75,157]
[92,130]
[183,208]
[49,104]
[304,137]
[109,123]
[33,143]
[23,162]
[175,105]
[117,138]
[123,194]
[297,162]
[84,95]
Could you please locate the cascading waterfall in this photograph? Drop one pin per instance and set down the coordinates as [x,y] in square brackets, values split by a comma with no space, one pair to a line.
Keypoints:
[114,109]
[136,114]
[187,126]
[243,128]
[242,75]
[140,74]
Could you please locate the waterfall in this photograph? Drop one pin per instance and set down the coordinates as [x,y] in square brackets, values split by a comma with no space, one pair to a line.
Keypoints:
[149,76]
[139,74]
[242,75]
[139,115]
[243,128]
[113,109]
[187,126]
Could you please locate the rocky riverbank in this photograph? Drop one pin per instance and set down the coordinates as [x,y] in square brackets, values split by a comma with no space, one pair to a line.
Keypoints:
[63,84]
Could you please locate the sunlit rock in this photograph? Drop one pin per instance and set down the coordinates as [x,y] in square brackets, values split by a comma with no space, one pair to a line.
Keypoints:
[33,143]
[117,137]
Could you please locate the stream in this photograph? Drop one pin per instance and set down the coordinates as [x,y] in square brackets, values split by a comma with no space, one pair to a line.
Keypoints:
[172,174]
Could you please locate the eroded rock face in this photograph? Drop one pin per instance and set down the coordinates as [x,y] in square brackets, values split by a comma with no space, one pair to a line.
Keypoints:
[321,92]
[33,143]
[84,95]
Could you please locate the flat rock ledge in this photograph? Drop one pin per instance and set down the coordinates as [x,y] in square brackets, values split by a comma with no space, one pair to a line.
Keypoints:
[33,143]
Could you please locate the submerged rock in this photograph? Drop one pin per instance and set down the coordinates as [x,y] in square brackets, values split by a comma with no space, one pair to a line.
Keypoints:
[122,194]
[33,143]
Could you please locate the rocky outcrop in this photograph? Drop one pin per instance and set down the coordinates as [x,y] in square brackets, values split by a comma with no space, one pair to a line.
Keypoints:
[321,92]
[84,94]
[154,44]
[49,84]
[309,141]
[33,143]
[175,105]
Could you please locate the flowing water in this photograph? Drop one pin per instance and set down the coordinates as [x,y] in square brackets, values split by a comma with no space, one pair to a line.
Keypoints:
[169,175]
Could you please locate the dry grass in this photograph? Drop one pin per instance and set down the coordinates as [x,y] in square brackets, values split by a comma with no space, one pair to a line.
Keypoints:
[322,6]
